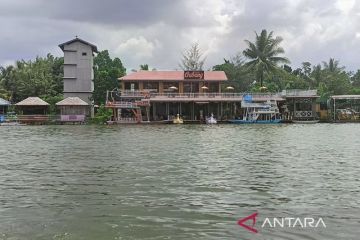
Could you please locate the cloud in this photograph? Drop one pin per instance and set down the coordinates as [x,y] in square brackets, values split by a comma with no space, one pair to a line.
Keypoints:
[156,32]
[141,48]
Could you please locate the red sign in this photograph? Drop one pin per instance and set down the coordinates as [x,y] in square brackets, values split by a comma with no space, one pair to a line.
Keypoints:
[251,228]
[193,74]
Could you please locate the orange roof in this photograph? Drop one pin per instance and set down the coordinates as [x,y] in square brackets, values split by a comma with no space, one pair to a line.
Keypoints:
[171,76]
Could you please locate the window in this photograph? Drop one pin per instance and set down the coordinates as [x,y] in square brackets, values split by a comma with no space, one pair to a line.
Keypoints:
[84,53]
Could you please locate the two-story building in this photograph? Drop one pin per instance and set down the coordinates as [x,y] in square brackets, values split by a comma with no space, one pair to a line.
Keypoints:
[161,95]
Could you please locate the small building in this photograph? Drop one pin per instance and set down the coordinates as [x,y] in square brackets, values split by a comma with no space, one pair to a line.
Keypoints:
[300,105]
[4,105]
[73,109]
[345,108]
[79,69]
[32,110]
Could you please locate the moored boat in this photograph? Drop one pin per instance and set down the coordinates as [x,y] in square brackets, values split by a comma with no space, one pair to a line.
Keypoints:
[178,120]
[12,124]
[211,120]
[258,112]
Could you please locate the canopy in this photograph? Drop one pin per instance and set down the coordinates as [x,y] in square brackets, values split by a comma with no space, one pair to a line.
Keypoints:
[3,102]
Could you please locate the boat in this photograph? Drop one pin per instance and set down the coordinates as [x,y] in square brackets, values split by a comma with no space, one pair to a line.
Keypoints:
[12,124]
[259,112]
[211,120]
[305,121]
[178,120]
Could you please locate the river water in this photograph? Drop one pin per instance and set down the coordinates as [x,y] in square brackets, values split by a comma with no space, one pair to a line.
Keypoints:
[178,182]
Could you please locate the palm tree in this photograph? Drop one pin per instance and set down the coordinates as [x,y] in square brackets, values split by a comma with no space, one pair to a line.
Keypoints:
[333,66]
[263,54]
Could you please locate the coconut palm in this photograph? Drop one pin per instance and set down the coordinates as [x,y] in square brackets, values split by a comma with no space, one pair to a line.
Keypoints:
[333,66]
[263,54]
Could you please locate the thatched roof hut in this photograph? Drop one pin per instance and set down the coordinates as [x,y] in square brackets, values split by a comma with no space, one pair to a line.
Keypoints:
[72,101]
[32,101]
[33,106]
[73,109]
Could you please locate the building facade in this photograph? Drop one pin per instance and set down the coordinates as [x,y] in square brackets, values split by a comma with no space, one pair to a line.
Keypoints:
[161,95]
[78,69]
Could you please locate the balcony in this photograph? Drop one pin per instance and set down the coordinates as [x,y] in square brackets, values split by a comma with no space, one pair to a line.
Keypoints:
[198,97]
[299,93]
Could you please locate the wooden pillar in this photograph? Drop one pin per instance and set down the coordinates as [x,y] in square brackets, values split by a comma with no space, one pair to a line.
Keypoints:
[141,86]
[219,87]
[193,111]
[221,110]
[167,110]
[148,113]
[334,110]
[294,109]
[154,111]
[161,87]
[181,87]
[122,86]
[200,85]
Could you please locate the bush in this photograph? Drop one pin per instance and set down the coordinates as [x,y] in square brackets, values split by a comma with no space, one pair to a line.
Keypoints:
[102,115]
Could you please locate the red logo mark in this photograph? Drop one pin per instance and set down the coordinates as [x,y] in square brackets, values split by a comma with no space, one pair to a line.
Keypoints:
[253,216]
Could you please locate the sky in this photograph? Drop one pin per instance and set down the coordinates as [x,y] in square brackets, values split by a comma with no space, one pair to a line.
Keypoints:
[156,32]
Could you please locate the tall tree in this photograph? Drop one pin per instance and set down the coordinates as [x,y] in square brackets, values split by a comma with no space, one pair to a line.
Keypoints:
[355,79]
[332,66]
[39,77]
[192,58]
[106,74]
[144,67]
[237,73]
[263,54]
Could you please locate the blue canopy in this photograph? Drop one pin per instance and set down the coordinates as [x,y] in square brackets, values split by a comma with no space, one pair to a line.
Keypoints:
[247,98]
[3,102]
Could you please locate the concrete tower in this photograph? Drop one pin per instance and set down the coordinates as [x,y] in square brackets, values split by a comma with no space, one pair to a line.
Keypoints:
[78,69]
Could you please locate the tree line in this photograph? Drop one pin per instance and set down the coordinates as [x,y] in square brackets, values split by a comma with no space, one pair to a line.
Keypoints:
[260,67]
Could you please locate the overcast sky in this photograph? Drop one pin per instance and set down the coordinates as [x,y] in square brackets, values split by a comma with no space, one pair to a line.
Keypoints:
[157,31]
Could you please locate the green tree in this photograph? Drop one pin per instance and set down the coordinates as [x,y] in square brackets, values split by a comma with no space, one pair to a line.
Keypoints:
[192,58]
[39,77]
[333,66]
[237,73]
[263,54]
[106,74]
[144,67]
[102,115]
[355,82]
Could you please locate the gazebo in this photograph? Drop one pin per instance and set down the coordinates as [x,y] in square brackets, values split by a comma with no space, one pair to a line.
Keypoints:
[3,108]
[345,108]
[72,109]
[33,110]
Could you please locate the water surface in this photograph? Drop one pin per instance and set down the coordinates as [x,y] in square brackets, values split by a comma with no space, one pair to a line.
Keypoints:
[177,182]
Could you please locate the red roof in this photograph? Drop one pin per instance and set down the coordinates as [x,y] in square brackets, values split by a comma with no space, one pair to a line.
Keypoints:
[171,76]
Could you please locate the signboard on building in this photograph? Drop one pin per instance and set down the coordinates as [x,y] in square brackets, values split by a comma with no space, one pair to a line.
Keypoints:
[193,74]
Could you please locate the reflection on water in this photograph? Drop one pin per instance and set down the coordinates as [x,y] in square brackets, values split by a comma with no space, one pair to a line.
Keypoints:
[176,182]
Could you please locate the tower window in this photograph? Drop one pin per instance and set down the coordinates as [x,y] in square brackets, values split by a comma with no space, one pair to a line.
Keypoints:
[84,53]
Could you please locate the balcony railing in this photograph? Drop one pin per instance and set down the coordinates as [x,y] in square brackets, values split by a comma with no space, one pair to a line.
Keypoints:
[173,95]
[299,93]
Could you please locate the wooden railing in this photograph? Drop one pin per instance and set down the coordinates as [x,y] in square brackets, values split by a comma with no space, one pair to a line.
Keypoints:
[299,93]
[145,95]
[45,118]
[32,118]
